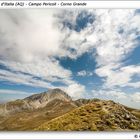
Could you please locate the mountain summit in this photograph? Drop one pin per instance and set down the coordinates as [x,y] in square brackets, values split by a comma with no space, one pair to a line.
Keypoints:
[35,101]
[42,99]
[50,95]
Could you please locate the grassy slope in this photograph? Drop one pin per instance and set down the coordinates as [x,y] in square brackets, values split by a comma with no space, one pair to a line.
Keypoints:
[95,115]
[98,116]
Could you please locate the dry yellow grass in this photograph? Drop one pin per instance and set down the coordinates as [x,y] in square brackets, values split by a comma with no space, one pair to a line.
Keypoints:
[98,116]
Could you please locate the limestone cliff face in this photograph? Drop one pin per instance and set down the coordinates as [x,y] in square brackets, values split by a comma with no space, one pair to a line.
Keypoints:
[34,102]
[41,100]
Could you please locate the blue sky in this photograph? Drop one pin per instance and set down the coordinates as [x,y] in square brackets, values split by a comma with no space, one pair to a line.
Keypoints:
[90,53]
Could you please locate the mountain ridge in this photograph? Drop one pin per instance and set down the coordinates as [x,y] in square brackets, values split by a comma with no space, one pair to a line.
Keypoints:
[52,109]
[97,116]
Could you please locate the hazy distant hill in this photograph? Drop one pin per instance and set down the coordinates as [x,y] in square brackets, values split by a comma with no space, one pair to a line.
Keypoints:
[55,110]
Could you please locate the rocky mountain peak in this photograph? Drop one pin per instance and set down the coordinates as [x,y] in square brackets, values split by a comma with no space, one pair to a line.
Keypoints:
[50,95]
[58,93]
[42,99]
[35,101]
[55,90]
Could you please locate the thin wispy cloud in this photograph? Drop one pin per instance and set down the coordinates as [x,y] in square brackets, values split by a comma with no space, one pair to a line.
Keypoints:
[6,91]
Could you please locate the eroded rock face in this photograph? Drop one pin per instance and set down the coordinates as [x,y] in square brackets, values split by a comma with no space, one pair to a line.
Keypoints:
[41,100]
[34,102]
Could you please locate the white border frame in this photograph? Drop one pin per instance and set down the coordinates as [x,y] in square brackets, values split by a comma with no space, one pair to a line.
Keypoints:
[121,4]
[89,4]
